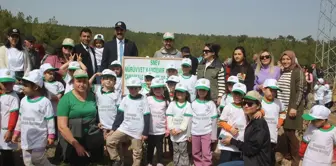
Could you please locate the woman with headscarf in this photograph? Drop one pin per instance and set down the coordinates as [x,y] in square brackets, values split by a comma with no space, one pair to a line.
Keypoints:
[265,69]
[241,68]
[292,83]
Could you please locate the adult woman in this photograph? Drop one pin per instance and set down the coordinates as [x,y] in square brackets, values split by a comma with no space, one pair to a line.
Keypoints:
[256,147]
[212,69]
[40,50]
[13,56]
[241,68]
[292,83]
[265,69]
[81,140]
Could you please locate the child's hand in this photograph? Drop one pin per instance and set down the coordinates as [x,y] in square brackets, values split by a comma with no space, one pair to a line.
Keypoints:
[173,132]
[144,138]
[178,131]
[50,141]
[71,57]
[99,74]
[8,136]
[226,140]
[79,57]
[234,131]
[257,115]
[15,139]
[100,126]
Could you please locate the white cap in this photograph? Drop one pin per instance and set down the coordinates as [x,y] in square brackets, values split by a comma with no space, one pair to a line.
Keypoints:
[186,62]
[99,37]
[272,84]
[149,74]
[171,66]
[68,42]
[233,79]
[203,84]
[133,82]
[239,88]
[168,35]
[116,63]
[181,87]
[173,79]
[74,65]
[108,72]
[7,75]
[35,77]
[320,80]
[45,67]
[327,86]
[157,83]
[317,112]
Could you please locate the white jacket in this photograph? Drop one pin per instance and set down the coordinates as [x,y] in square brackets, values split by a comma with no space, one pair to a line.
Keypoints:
[4,60]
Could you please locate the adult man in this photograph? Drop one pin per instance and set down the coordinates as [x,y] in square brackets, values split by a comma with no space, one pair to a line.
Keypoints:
[118,47]
[168,50]
[87,53]
[194,61]
[33,55]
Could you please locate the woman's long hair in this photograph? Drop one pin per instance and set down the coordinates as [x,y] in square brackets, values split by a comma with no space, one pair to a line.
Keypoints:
[259,64]
[18,45]
[245,63]
[214,48]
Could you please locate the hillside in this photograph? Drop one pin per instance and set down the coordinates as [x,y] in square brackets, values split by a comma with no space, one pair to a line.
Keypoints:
[52,34]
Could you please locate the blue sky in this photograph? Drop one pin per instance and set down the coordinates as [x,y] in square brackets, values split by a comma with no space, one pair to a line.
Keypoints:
[268,18]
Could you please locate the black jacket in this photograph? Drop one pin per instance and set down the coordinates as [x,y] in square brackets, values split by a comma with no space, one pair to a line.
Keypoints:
[86,58]
[256,147]
[194,63]
[249,75]
[110,52]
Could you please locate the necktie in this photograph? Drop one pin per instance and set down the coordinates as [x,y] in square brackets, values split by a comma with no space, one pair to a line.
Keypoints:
[121,50]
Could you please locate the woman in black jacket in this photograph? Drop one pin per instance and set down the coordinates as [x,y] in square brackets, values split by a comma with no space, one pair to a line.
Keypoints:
[241,68]
[256,147]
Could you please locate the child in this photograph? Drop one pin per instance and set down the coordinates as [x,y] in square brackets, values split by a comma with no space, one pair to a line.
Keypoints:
[328,96]
[147,83]
[171,70]
[54,88]
[131,123]
[227,98]
[36,121]
[98,46]
[9,106]
[319,138]
[274,111]
[178,114]
[320,91]
[116,67]
[204,124]
[233,123]
[71,66]
[171,83]
[107,99]
[158,103]
[187,78]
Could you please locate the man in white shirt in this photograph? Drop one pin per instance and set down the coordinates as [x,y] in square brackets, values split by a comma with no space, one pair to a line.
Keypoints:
[118,47]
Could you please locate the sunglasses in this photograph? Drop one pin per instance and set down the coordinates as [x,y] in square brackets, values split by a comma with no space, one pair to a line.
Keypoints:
[68,47]
[248,103]
[207,51]
[265,57]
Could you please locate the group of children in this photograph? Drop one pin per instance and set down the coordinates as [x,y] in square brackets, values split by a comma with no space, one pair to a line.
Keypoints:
[179,107]
[323,93]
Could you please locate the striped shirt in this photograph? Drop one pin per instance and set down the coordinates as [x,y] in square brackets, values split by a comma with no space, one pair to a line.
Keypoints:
[284,84]
[221,82]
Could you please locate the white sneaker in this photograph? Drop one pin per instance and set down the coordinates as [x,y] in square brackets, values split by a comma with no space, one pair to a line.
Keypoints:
[159,164]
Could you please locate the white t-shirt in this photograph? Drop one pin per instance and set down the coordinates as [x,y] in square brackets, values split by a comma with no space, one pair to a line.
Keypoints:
[272,111]
[234,116]
[15,59]
[178,113]
[134,111]
[34,122]
[190,82]
[319,92]
[226,99]
[320,146]
[157,109]
[118,86]
[54,88]
[203,114]
[107,103]
[68,83]
[8,103]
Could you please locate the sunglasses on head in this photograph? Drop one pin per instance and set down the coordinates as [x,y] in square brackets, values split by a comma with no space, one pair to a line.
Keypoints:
[68,47]
[265,57]
[207,51]
[248,103]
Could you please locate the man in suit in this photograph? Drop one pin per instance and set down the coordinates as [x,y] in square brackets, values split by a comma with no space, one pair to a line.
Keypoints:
[87,52]
[118,47]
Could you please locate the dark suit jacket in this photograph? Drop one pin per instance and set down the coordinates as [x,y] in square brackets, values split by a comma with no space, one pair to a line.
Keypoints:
[86,58]
[110,52]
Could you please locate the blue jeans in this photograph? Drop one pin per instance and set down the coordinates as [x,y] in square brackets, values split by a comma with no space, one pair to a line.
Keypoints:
[233,163]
